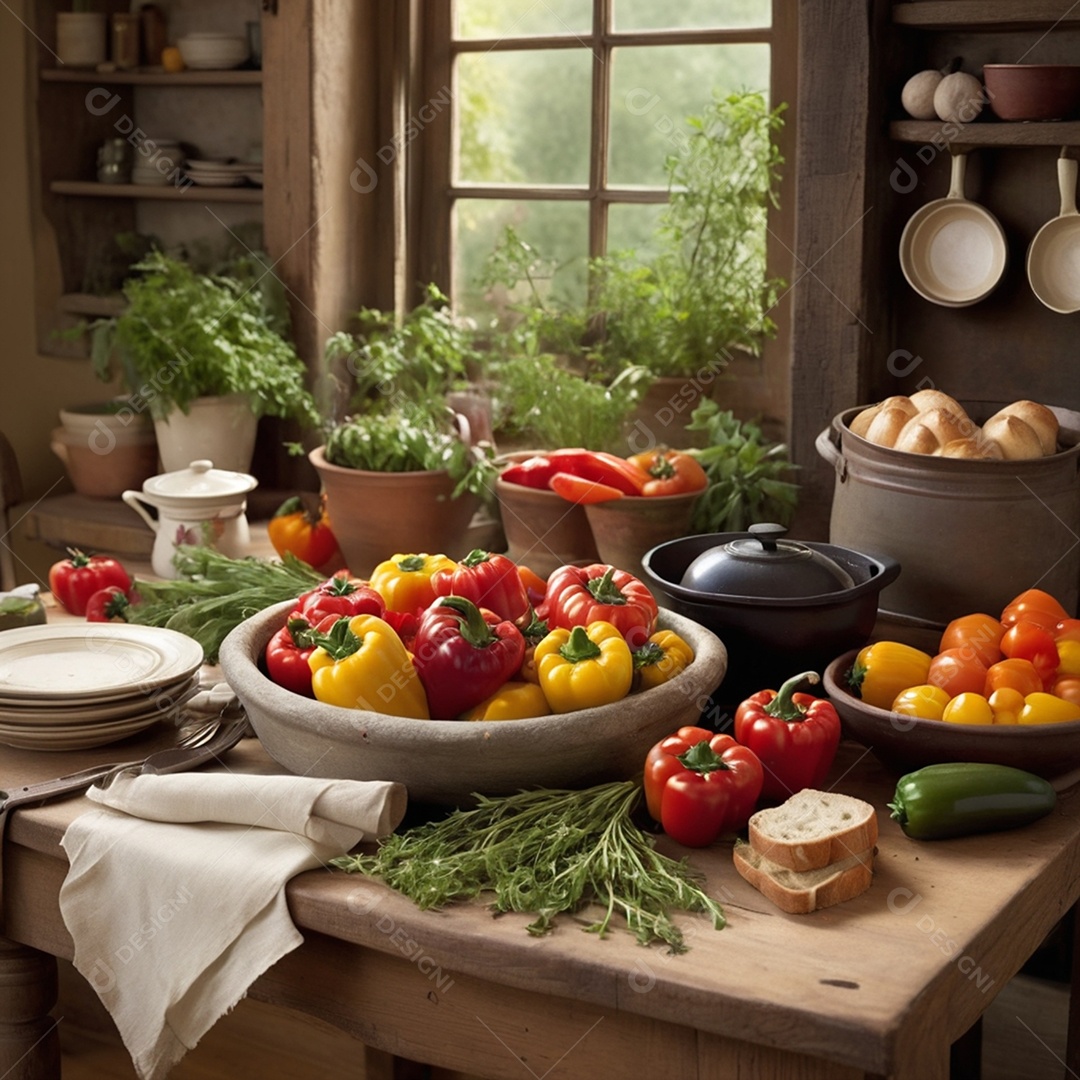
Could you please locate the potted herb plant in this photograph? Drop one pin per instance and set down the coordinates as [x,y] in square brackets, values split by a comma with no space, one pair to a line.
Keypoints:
[206,354]
[401,471]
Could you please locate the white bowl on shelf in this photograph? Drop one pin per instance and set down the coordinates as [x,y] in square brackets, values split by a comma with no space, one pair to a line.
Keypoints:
[212,52]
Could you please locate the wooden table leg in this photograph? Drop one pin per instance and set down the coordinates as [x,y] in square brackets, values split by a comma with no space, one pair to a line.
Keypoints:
[1072,1045]
[29,1042]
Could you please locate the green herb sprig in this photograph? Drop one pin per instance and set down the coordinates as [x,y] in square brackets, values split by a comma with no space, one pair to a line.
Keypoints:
[546,852]
[215,593]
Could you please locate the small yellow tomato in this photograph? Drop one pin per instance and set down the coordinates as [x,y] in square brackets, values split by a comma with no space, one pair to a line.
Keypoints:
[1006,704]
[925,701]
[1068,658]
[968,709]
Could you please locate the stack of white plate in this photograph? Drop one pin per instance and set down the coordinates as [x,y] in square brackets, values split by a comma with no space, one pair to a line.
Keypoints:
[218,173]
[69,687]
[156,162]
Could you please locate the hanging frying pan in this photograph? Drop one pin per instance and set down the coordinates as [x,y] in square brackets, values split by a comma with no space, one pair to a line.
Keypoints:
[1053,259]
[953,251]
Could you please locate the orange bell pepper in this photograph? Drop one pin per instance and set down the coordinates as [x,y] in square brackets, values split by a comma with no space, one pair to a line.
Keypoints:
[671,472]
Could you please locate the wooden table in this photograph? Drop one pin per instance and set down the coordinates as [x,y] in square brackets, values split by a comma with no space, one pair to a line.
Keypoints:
[878,986]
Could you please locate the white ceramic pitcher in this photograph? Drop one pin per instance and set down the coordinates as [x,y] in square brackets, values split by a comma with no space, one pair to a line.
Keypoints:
[199,505]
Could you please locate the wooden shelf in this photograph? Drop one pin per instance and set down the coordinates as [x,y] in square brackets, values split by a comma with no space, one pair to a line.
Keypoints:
[1053,133]
[90,304]
[986,14]
[154,78]
[194,193]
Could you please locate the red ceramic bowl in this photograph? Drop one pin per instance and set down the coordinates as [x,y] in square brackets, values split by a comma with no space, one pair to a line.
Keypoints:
[1033,91]
[903,743]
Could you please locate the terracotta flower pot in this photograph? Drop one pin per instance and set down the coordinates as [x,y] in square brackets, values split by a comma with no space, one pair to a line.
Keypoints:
[624,529]
[543,531]
[375,515]
[661,416]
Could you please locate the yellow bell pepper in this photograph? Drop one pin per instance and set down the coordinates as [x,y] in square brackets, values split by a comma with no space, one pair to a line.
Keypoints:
[661,658]
[512,701]
[363,664]
[1068,658]
[1044,708]
[883,669]
[584,667]
[1006,704]
[925,701]
[404,581]
[968,709]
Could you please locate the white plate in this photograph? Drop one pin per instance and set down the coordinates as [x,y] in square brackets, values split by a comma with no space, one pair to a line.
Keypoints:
[162,700]
[94,661]
[77,739]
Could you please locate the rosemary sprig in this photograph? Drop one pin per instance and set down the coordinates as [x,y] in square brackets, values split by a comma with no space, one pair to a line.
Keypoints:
[546,852]
[215,593]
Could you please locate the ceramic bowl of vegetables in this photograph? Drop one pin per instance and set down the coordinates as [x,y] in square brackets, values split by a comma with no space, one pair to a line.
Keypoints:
[455,647]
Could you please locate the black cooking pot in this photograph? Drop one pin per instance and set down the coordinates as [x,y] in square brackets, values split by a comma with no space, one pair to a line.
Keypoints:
[780,606]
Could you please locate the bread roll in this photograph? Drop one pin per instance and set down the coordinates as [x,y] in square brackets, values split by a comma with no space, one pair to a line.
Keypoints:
[924,400]
[1038,417]
[861,423]
[1018,440]
[929,431]
[976,448]
[886,426]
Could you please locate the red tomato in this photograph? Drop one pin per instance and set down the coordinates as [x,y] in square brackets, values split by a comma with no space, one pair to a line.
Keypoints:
[74,580]
[577,489]
[1034,606]
[1067,688]
[108,605]
[1013,674]
[1030,641]
[980,633]
[957,671]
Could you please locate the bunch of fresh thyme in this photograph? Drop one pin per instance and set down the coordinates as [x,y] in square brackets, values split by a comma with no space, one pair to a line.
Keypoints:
[546,852]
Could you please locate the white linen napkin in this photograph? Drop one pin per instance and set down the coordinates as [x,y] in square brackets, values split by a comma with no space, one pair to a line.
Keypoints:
[176,893]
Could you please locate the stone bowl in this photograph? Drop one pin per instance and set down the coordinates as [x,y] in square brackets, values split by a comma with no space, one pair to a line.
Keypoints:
[902,743]
[447,761]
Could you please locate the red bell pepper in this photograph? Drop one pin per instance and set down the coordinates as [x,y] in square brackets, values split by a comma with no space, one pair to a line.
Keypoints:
[601,467]
[579,595]
[490,581]
[108,605]
[75,579]
[288,650]
[463,655]
[795,736]
[577,489]
[699,785]
[534,472]
[340,595]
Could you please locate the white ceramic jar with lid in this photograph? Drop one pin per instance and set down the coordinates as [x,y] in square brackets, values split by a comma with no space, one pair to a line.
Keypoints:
[199,505]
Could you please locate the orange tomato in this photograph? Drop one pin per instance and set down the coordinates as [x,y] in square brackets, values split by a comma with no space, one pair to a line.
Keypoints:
[671,472]
[1035,606]
[1030,641]
[1012,674]
[957,671]
[1067,630]
[980,633]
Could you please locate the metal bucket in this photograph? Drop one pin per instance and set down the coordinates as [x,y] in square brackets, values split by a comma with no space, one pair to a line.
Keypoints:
[969,535]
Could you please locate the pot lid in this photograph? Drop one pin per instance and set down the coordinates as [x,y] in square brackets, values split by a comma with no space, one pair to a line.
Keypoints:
[200,480]
[764,565]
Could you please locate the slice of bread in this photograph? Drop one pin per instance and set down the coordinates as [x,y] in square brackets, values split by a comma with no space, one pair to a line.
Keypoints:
[800,892]
[813,829]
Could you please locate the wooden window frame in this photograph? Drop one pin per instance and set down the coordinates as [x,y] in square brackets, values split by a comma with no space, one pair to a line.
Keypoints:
[763,385]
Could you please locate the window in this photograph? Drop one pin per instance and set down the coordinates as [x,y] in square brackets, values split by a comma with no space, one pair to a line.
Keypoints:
[561,115]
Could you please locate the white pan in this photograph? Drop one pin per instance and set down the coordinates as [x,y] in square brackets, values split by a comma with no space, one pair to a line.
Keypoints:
[1053,259]
[953,251]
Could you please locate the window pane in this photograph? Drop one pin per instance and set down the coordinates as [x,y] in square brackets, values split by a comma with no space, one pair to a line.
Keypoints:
[556,231]
[654,89]
[524,117]
[632,226]
[692,14]
[516,18]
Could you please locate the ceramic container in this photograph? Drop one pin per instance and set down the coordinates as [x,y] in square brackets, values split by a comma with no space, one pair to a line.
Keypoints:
[199,505]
